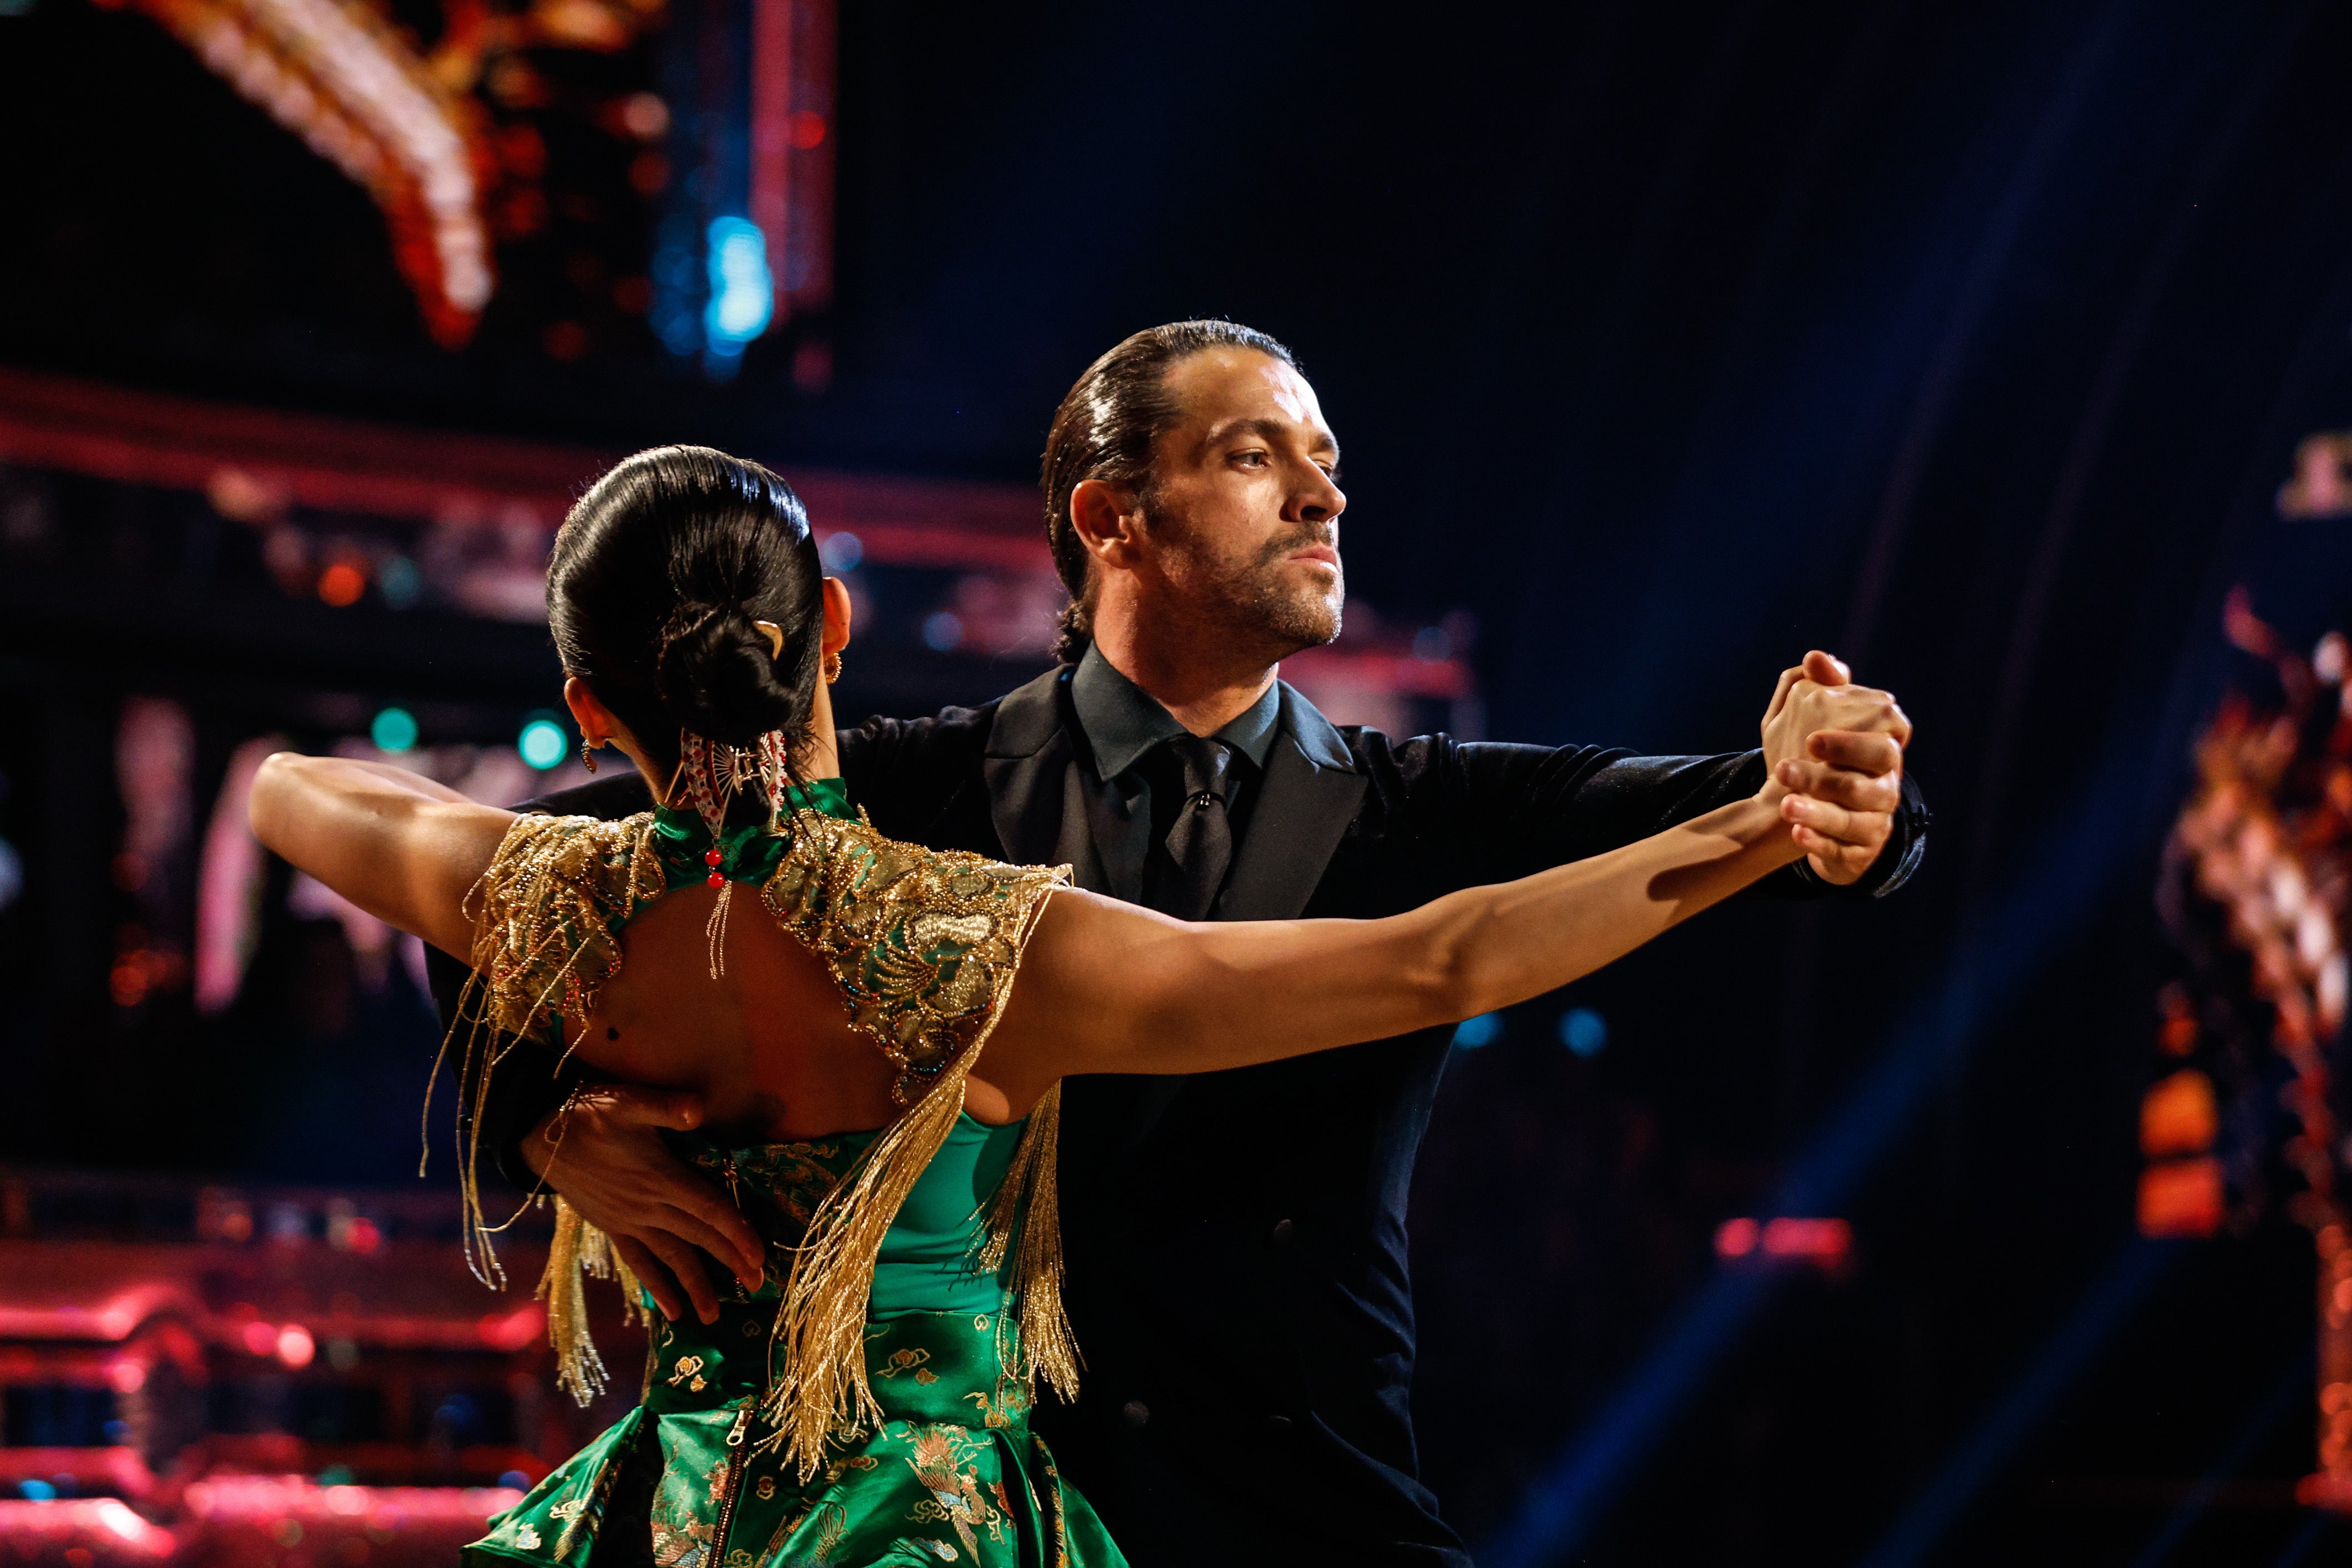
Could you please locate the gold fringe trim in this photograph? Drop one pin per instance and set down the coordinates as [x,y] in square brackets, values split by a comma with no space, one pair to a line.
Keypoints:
[822,1387]
[578,1250]
[1027,1204]
[543,948]
[925,945]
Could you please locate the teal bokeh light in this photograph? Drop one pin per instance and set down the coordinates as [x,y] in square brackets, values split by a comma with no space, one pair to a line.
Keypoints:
[394,730]
[542,744]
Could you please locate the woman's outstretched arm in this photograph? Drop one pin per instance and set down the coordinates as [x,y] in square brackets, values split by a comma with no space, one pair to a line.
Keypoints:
[1108,987]
[402,848]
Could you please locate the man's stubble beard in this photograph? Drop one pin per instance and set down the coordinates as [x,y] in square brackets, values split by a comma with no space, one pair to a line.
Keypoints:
[1288,615]
[1257,605]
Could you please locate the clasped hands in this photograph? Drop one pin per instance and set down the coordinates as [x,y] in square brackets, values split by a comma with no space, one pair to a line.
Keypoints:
[1834,752]
[1833,756]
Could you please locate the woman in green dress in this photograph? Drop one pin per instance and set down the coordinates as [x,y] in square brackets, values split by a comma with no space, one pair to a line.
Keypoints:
[878,1031]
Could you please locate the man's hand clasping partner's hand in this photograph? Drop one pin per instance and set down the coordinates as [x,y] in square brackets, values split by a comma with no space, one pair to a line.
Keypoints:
[1836,748]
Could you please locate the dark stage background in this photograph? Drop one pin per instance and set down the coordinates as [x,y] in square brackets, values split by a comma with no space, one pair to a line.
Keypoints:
[1970,341]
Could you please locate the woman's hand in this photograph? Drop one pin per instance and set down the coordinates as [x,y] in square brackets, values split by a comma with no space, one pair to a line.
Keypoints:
[1834,752]
[602,1150]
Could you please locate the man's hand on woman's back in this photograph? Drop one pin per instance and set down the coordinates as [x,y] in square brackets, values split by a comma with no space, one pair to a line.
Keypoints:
[602,1150]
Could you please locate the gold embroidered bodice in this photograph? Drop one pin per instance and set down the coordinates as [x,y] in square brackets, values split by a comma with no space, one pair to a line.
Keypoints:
[923,945]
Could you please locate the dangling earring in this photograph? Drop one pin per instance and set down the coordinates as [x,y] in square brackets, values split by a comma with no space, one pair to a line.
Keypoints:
[587,757]
[832,668]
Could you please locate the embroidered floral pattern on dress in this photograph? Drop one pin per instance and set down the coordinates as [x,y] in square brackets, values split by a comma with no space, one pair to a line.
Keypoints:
[921,941]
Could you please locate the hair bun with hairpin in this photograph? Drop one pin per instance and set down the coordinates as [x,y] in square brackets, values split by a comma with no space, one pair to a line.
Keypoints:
[717,677]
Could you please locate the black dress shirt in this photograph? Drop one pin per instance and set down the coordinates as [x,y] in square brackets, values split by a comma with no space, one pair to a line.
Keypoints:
[1134,777]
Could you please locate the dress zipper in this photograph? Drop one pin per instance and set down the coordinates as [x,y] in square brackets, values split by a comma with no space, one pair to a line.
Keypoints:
[737,1464]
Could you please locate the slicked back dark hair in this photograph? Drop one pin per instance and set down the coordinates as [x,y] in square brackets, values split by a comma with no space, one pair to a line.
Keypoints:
[658,574]
[1105,429]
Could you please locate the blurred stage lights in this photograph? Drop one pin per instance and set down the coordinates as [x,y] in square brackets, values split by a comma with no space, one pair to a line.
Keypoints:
[400,583]
[394,732]
[1583,1031]
[743,291]
[942,631]
[341,584]
[542,742]
[1482,1030]
[1823,1244]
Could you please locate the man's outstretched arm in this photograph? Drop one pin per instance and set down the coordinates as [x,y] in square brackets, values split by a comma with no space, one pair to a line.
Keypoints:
[1863,823]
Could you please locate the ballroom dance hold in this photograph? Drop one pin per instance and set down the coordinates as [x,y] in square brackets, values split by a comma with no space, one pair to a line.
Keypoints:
[873,1040]
[1236,1240]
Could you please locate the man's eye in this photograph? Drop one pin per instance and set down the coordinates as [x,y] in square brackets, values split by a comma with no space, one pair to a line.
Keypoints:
[1255,460]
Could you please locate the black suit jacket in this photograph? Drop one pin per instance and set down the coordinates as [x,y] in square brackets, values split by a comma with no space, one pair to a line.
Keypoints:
[1236,1240]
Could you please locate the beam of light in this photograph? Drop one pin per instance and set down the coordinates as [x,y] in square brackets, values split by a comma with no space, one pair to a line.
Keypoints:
[2292,1391]
[2307,1538]
[2137,1267]
[2064,879]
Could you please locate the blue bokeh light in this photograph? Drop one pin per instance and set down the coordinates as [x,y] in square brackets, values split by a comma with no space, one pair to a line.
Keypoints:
[1583,1031]
[841,551]
[942,631]
[400,583]
[1482,1030]
[742,293]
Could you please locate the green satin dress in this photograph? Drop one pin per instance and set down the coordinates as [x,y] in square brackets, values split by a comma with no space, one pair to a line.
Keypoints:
[952,1474]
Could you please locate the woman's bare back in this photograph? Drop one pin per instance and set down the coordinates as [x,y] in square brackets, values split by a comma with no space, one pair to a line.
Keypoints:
[767,1043]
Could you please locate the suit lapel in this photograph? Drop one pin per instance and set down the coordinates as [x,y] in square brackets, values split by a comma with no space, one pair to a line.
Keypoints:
[1035,795]
[1311,795]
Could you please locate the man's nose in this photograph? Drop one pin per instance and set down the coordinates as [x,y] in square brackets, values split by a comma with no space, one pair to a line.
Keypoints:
[1321,500]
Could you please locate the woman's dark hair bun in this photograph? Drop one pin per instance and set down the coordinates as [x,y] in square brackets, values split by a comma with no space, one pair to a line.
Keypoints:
[657,577]
[716,676]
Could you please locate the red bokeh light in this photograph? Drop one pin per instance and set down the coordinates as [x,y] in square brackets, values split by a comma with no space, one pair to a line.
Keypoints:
[1826,1244]
[295,1346]
[341,584]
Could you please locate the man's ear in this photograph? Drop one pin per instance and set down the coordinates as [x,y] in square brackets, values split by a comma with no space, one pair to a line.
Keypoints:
[1107,520]
[838,613]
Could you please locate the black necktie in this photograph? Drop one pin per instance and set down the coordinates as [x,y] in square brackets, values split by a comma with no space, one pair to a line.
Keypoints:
[1201,840]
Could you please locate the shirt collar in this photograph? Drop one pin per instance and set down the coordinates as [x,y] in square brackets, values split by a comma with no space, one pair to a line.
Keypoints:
[1123,721]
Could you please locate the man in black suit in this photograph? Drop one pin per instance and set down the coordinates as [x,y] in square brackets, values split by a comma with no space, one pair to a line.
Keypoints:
[1236,1240]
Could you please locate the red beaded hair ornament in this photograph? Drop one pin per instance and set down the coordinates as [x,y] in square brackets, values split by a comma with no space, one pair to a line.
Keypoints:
[710,773]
